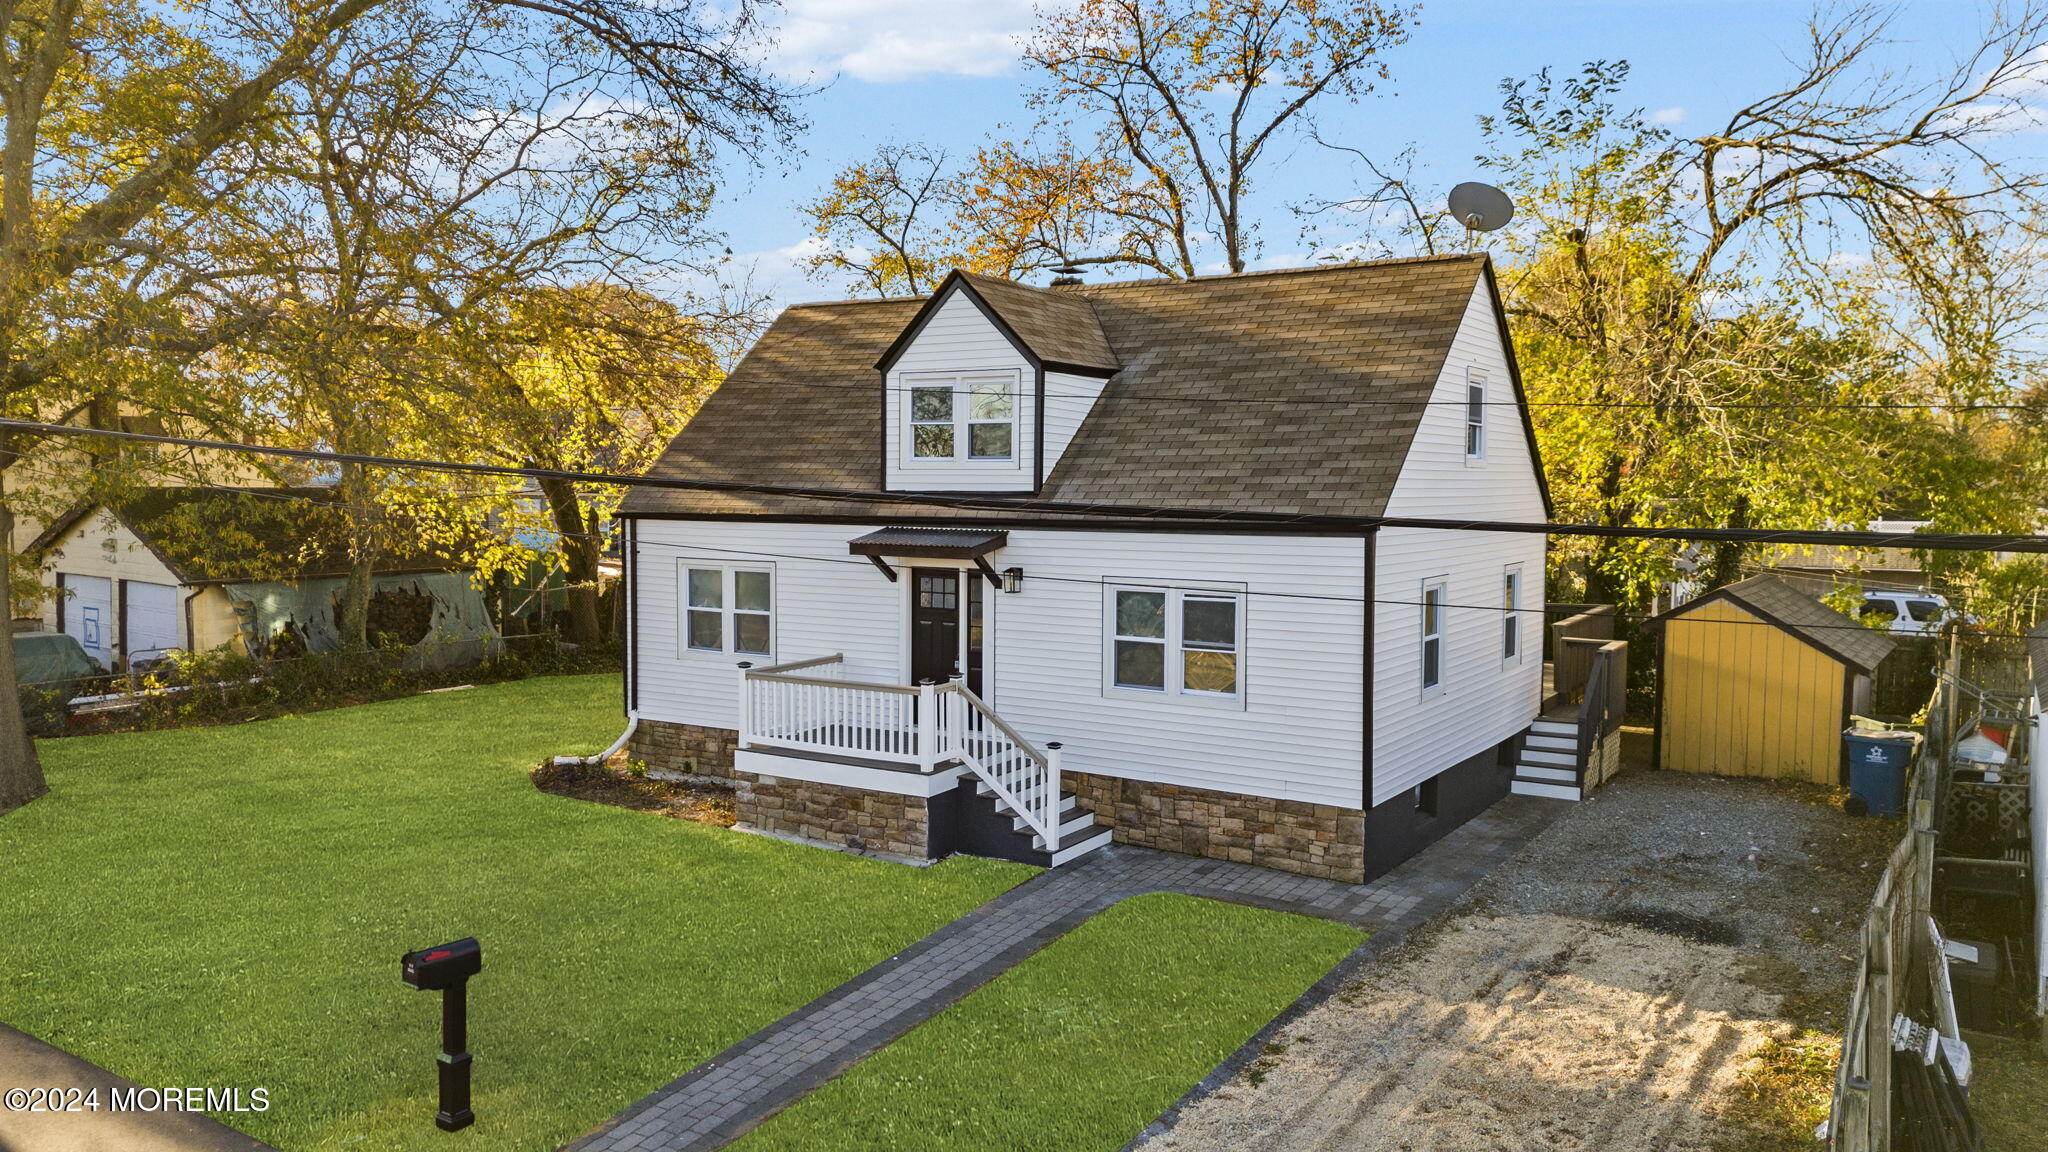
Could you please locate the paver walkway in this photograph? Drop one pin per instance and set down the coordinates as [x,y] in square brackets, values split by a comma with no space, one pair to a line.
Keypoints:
[757,1077]
[26,1062]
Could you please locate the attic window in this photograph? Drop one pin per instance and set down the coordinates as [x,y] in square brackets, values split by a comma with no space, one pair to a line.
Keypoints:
[963,417]
[1475,415]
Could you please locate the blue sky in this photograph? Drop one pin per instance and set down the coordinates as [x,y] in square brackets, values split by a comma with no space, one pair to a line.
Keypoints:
[943,72]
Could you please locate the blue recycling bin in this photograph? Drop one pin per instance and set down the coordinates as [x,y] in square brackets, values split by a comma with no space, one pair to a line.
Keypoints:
[1877,768]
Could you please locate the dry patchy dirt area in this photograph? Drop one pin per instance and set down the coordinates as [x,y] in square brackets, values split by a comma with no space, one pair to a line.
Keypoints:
[1662,970]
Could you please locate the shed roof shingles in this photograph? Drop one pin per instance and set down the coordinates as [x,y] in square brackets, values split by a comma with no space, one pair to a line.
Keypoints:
[803,409]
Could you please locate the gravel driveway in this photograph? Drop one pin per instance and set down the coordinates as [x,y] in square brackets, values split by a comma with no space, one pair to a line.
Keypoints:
[1613,988]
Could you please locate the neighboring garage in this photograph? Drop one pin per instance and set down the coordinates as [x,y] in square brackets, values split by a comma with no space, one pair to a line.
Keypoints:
[1760,679]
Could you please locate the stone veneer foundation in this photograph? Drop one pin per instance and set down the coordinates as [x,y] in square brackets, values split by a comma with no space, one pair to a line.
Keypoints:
[1290,835]
[1319,840]
[852,818]
[687,749]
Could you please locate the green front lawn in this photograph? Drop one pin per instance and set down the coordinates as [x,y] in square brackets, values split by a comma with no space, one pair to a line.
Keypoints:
[1080,1046]
[226,907]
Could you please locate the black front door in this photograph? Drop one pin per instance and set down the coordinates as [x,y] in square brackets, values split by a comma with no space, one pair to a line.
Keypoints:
[934,624]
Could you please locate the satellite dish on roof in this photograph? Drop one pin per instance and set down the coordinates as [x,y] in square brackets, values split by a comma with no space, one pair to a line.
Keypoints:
[1481,207]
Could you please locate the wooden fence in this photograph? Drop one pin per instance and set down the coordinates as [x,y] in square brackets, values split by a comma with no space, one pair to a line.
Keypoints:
[1903,971]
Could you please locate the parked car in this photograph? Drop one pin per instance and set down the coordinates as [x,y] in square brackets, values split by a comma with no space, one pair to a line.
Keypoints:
[55,664]
[1909,613]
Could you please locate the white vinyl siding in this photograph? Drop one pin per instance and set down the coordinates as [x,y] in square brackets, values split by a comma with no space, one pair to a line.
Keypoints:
[959,354]
[1485,699]
[1292,731]
[1068,400]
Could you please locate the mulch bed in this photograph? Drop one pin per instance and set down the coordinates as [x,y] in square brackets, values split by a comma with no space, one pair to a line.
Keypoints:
[703,803]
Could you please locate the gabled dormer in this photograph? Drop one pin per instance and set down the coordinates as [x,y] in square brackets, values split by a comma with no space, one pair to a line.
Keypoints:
[987,385]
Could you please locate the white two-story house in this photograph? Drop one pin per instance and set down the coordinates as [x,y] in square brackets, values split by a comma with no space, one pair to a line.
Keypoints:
[1071,654]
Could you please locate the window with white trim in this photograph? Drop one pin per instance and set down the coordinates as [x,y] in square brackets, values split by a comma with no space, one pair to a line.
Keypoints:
[1176,642]
[727,609]
[1433,612]
[1511,615]
[1475,414]
[963,418]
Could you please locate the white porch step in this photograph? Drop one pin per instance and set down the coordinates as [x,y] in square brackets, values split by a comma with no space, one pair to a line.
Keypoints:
[1541,772]
[1521,787]
[1546,756]
[1555,728]
[1069,808]
[1072,826]
[1079,848]
[1551,743]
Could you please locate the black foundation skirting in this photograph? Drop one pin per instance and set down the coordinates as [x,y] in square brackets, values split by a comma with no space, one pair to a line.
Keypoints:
[1398,828]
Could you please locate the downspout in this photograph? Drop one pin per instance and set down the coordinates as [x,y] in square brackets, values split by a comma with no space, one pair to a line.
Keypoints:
[632,722]
[191,632]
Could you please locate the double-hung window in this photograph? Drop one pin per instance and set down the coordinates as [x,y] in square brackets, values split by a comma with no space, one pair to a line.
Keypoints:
[728,609]
[963,417]
[1511,615]
[1176,642]
[1433,604]
[1475,414]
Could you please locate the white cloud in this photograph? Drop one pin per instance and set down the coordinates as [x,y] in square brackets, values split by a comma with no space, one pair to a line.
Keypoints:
[1667,115]
[888,40]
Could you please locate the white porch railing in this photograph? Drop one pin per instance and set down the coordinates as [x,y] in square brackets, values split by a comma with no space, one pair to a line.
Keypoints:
[807,705]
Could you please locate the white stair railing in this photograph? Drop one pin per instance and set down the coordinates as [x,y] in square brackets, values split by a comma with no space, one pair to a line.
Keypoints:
[1022,776]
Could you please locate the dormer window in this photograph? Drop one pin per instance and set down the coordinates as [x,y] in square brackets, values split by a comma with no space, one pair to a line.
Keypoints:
[965,417]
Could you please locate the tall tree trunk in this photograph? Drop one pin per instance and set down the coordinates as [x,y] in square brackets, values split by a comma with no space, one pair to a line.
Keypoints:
[21,773]
[582,551]
[353,618]
[1729,554]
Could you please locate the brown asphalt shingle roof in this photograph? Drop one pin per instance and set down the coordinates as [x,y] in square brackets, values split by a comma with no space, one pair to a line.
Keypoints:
[1847,640]
[1060,327]
[803,409]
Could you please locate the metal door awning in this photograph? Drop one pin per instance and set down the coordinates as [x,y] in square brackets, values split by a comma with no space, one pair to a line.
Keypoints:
[972,544]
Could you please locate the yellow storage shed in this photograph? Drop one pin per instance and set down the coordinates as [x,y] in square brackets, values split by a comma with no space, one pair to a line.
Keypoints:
[1759,679]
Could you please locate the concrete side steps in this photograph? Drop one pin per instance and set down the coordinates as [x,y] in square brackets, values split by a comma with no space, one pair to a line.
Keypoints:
[1555,728]
[1547,756]
[1542,772]
[1551,743]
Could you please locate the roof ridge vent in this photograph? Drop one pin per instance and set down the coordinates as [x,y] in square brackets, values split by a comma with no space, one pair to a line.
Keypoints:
[1066,275]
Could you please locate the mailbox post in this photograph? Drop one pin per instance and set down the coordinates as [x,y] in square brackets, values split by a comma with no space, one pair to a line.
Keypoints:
[446,969]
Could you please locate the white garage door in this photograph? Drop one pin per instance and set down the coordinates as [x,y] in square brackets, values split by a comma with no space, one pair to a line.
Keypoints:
[152,619]
[89,614]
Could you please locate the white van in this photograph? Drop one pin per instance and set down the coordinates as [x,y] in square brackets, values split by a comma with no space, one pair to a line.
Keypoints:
[1908,613]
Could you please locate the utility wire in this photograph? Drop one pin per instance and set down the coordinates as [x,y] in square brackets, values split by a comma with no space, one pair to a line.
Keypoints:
[1083,512]
[1248,592]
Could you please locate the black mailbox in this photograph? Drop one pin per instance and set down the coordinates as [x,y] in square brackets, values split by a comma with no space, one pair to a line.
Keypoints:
[445,966]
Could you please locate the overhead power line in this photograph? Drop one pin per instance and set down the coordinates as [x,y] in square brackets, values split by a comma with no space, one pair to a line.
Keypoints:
[1082,512]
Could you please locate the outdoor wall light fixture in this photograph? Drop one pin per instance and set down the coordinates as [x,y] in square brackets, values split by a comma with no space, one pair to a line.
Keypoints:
[446,969]
[1013,579]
